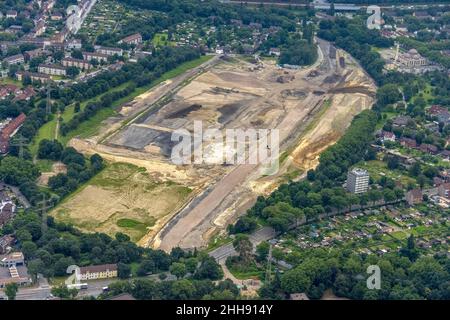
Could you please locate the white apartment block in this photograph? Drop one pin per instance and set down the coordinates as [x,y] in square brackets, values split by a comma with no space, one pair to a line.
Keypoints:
[358,181]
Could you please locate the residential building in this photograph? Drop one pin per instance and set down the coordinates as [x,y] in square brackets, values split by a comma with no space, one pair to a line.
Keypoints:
[109,51]
[6,213]
[40,28]
[444,190]
[412,59]
[445,154]
[437,181]
[26,94]
[132,39]
[255,25]
[81,64]
[34,76]
[15,59]
[13,259]
[422,15]
[428,148]
[298,296]
[436,110]
[95,56]
[103,271]
[122,296]
[414,197]
[14,29]
[52,69]
[357,181]
[8,89]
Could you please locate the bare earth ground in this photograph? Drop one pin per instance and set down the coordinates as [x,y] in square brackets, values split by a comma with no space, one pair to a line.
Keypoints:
[310,109]
[123,198]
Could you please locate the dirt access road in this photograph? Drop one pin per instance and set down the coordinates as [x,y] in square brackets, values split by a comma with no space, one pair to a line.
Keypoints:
[187,229]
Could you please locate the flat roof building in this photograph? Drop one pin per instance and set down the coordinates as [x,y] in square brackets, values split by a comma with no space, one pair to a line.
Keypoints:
[358,181]
[13,259]
[103,271]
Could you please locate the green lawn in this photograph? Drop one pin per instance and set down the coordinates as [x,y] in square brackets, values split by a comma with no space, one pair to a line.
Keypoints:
[9,80]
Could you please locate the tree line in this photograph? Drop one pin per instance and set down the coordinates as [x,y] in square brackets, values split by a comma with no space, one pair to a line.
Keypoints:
[322,193]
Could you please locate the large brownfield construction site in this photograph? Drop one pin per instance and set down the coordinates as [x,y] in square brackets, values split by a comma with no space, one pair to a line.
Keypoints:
[144,194]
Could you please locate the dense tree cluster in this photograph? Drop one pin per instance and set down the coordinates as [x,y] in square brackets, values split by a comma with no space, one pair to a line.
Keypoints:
[78,169]
[185,289]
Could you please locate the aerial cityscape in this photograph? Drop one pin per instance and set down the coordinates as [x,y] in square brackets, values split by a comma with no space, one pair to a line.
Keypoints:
[256,150]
